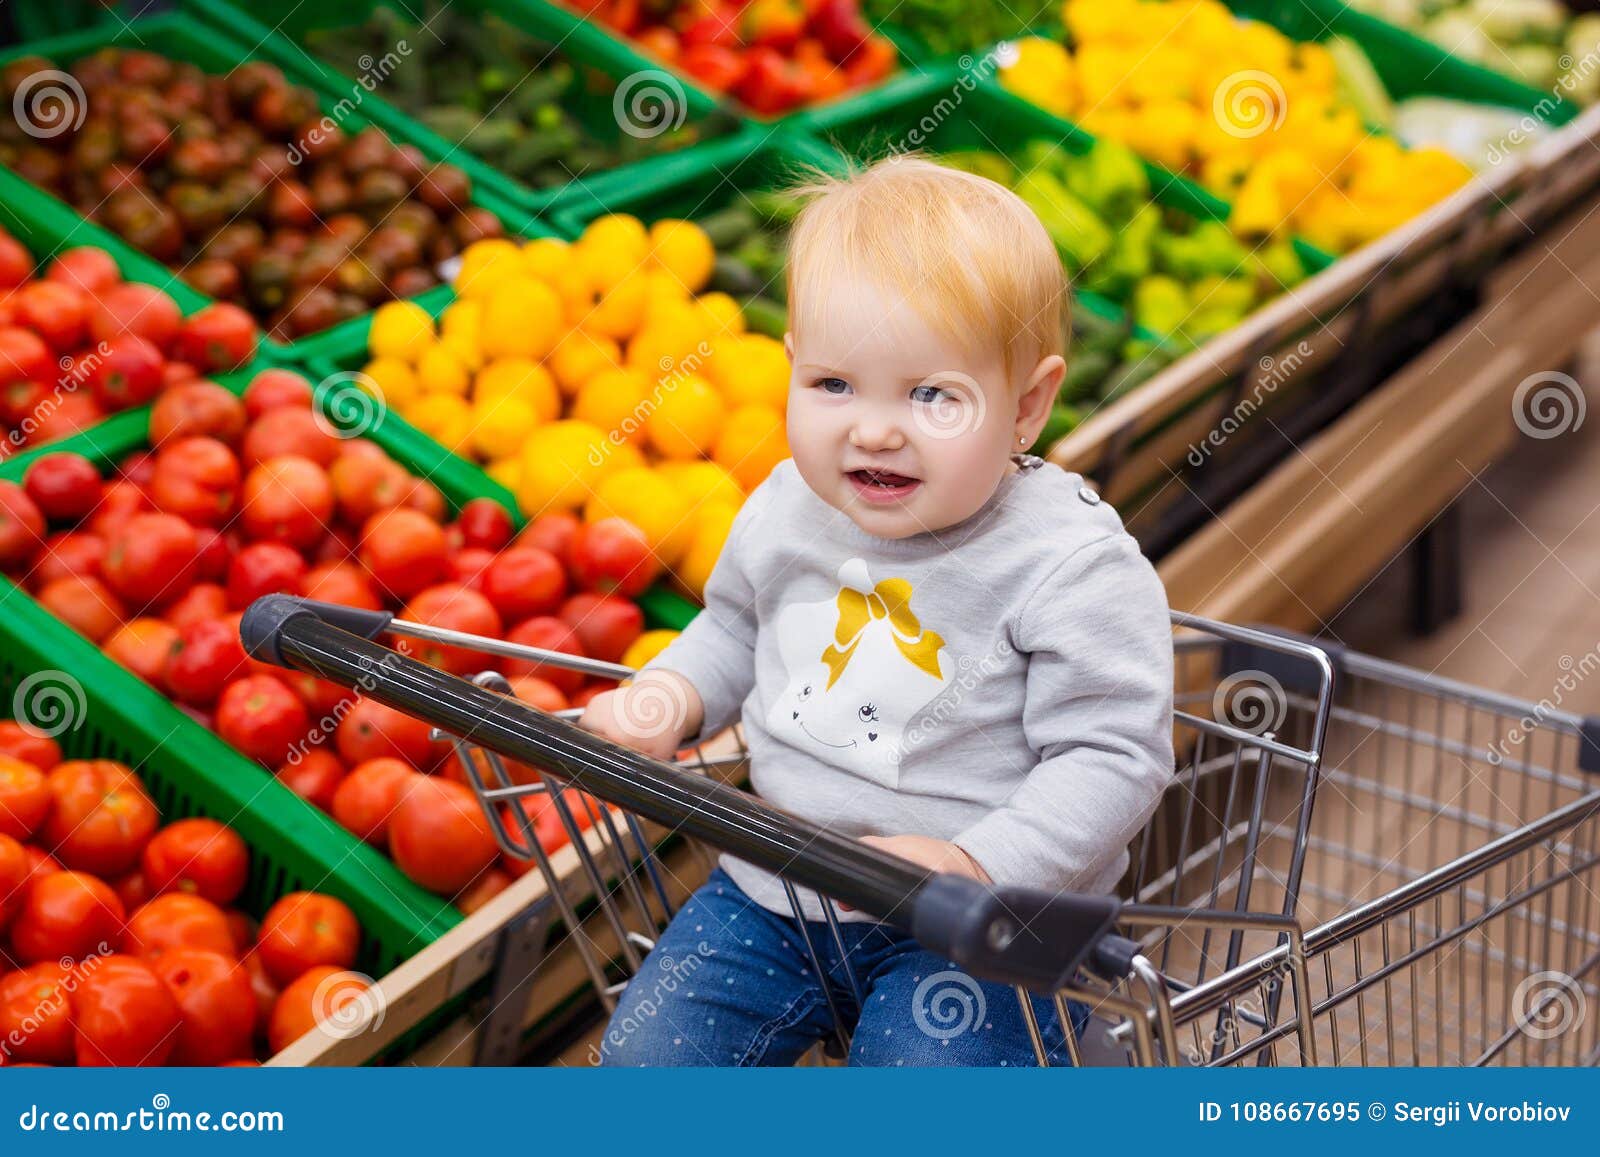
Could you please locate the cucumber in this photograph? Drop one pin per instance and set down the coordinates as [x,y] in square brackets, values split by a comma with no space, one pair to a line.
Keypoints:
[729,275]
[763,316]
[728,228]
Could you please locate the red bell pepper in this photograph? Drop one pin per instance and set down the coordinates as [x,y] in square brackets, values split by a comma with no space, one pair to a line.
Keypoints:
[775,23]
[771,85]
[840,27]
[714,66]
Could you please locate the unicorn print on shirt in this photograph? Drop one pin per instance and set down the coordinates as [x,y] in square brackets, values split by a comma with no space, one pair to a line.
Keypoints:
[860,668]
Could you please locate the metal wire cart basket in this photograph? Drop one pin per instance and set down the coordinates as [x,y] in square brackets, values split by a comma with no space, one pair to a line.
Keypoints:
[1355,863]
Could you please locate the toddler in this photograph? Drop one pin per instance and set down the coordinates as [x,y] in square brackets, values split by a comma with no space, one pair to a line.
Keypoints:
[937,643]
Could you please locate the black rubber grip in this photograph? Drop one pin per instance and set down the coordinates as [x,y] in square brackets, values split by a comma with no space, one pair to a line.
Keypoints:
[261,627]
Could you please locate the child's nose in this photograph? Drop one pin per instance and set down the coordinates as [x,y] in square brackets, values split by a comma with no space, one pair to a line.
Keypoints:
[870,433]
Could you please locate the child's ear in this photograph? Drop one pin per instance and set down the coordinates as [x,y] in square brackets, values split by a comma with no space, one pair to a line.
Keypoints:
[788,347]
[1039,393]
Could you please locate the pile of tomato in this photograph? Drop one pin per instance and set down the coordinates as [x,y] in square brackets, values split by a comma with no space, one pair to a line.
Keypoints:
[121,942]
[244,496]
[78,343]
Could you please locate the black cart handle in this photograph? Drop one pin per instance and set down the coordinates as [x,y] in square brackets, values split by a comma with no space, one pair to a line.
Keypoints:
[1007,933]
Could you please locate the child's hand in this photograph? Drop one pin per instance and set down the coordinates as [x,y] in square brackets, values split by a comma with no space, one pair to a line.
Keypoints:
[652,714]
[936,855]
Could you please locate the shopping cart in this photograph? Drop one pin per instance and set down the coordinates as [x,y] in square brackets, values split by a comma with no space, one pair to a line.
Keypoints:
[1436,840]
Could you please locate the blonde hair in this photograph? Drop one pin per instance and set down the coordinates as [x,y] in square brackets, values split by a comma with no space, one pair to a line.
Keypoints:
[964,251]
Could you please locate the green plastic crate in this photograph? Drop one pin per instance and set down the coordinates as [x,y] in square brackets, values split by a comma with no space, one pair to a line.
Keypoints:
[182,37]
[190,770]
[587,46]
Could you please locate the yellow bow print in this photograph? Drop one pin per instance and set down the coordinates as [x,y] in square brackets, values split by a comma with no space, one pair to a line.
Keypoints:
[890,599]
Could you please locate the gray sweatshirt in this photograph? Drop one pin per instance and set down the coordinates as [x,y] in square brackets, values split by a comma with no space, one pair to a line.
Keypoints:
[1004,683]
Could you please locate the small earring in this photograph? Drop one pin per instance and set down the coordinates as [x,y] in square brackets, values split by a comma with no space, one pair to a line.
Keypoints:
[1022,439]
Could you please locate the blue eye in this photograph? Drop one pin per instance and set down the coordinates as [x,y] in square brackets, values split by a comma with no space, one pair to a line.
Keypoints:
[928,395]
[835,386]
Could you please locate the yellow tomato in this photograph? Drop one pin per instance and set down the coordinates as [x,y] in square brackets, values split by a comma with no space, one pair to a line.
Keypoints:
[561,462]
[524,317]
[400,329]
[441,371]
[501,425]
[712,523]
[752,442]
[485,265]
[682,249]
[686,419]
[644,498]
[646,647]
[579,356]
[521,378]
[613,400]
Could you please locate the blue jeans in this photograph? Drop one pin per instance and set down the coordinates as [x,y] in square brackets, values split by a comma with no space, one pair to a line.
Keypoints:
[730,983]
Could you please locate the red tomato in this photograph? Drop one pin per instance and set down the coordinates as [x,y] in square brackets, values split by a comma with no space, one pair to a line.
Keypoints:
[132,890]
[605,624]
[200,602]
[198,480]
[217,1004]
[307,930]
[40,862]
[214,554]
[485,524]
[127,372]
[370,730]
[425,497]
[485,888]
[89,270]
[613,556]
[342,583]
[197,410]
[67,914]
[262,987]
[144,646]
[66,555]
[365,484]
[264,568]
[27,744]
[177,920]
[440,837]
[120,500]
[316,777]
[24,797]
[454,608]
[551,634]
[525,581]
[141,310]
[553,532]
[198,856]
[57,313]
[85,605]
[72,414]
[123,1015]
[100,818]
[21,526]
[262,718]
[321,697]
[36,1014]
[405,551]
[219,337]
[540,693]
[15,871]
[287,430]
[274,389]
[23,358]
[150,558]
[207,658]
[287,499]
[468,564]
[16,263]
[319,995]
[583,697]
[65,487]
[367,797]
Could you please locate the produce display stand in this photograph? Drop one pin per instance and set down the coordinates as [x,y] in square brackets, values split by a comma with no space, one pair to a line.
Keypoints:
[181,36]
[278,28]
[1298,544]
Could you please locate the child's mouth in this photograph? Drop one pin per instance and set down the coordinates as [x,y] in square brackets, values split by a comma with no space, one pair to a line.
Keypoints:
[882,486]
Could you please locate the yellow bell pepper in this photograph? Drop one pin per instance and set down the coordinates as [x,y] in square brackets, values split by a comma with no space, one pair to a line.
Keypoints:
[1043,73]
[1164,131]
